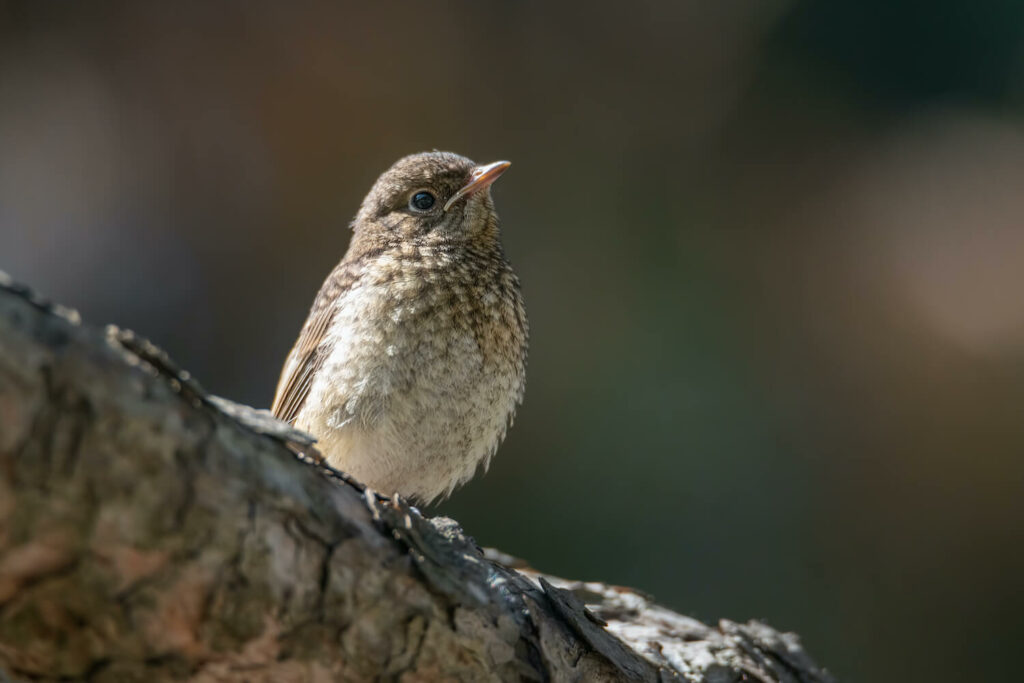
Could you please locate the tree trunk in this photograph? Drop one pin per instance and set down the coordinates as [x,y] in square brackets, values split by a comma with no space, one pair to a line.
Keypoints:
[149,531]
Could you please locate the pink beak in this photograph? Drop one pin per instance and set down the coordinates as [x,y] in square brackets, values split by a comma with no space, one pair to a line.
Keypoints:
[481,178]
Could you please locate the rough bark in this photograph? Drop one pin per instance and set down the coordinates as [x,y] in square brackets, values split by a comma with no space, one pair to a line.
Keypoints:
[148,533]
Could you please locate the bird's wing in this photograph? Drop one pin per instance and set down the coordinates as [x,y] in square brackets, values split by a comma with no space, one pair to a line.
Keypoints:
[309,352]
[299,370]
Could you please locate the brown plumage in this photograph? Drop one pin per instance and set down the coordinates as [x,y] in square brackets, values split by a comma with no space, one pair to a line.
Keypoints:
[412,360]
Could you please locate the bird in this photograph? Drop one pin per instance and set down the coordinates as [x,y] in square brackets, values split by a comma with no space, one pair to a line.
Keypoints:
[412,361]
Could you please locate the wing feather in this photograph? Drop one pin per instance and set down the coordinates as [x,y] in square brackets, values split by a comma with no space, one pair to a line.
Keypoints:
[309,352]
[305,359]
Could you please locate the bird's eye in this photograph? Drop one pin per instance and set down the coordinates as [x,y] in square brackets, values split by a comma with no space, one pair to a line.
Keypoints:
[422,201]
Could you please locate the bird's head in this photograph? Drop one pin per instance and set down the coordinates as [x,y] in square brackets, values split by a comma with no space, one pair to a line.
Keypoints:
[434,196]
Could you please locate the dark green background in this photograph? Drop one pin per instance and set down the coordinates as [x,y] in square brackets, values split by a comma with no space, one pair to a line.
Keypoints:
[773,256]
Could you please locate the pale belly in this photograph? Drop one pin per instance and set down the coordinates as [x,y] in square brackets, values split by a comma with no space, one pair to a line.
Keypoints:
[412,407]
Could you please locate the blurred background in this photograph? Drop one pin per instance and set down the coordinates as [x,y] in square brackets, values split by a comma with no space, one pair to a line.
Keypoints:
[772,252]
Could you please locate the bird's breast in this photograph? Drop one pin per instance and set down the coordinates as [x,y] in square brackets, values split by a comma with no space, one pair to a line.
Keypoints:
[414,351]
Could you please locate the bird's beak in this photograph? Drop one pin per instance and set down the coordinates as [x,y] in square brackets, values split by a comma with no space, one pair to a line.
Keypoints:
[481,178]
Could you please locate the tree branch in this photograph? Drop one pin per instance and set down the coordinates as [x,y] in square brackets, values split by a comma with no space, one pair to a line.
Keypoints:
[149,531]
